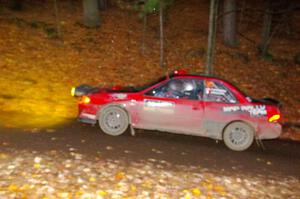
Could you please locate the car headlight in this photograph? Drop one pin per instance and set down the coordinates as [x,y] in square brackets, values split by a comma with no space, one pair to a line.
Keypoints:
[73,91]
[85,100]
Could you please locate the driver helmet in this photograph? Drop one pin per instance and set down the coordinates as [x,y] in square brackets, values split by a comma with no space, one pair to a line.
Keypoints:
[175,86]
[188,86]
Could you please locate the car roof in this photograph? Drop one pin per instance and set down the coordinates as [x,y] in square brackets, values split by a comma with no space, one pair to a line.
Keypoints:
[204,76]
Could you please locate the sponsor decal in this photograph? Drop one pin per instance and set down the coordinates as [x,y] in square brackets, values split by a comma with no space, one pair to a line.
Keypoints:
[132,102]
[158,105]
[255,111]
[119,96]
[215,91]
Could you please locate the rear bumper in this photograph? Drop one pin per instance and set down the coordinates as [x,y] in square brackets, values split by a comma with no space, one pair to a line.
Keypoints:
[269,131]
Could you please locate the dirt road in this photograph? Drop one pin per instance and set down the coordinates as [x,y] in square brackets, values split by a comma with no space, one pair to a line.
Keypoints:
[81,162]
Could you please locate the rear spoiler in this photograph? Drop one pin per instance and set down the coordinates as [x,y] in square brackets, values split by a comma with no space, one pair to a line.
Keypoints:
[268,101]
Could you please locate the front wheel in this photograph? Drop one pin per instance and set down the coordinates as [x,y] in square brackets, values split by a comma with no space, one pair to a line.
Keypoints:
[113,120]
[238,136]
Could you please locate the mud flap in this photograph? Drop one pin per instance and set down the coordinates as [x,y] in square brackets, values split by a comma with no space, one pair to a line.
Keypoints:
[132,131]
[260,143]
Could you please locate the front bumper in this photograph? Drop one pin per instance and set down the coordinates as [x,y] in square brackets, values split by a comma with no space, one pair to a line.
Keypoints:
[87,118]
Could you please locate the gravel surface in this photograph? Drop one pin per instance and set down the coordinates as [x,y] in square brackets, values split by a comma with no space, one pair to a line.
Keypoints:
[103,170]
[55,174]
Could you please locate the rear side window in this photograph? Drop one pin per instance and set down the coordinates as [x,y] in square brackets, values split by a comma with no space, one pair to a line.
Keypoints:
[217,92]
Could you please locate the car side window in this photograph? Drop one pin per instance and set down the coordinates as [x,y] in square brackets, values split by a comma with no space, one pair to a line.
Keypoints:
[176,88]
[217,92]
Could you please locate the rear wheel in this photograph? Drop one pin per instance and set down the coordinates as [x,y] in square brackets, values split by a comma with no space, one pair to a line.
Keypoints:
[113,120]
[238,136]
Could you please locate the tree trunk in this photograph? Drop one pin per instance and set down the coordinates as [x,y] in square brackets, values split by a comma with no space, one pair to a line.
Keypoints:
[161,22]
[91,17]
[72,4]
[211,36]
[16,5]
[57,21]
[229,23]
[102,4]
[266,30]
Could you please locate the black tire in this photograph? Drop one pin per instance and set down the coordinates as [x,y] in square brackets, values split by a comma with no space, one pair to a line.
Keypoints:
[238,136]
[113,120]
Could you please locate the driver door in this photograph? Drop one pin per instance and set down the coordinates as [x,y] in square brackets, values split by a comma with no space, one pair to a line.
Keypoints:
[172,107]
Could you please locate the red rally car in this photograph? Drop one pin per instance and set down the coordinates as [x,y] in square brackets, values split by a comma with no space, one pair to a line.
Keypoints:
[185,104]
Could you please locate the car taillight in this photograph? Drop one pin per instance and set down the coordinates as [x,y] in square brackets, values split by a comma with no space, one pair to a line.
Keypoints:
[274,118]
[85,100]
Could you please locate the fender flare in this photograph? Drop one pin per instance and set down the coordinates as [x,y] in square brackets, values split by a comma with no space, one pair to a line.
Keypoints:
[113,105]
[252,125]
